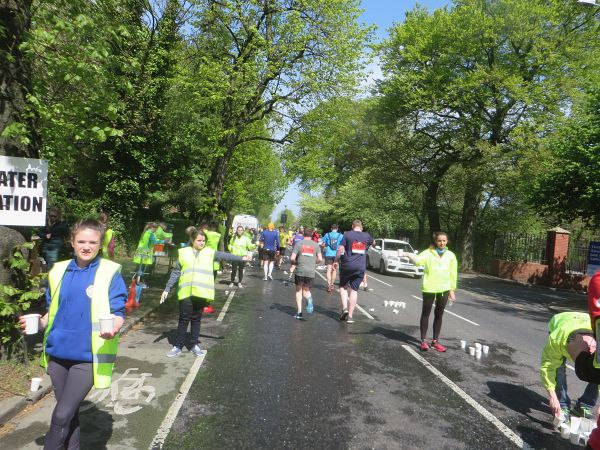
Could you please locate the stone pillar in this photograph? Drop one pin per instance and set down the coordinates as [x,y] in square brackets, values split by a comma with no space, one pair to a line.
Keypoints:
[557,249]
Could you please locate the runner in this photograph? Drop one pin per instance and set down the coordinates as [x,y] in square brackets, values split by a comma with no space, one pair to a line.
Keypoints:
[305,255]
[196,288]
[352,255]
[283,238]
[331,242]
[565,328]
[299,236]
[239,245]
[270,241]
[439,283]
[212,241]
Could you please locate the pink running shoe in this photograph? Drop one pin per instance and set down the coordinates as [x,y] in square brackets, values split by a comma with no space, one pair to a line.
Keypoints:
[424,346]
[437,346]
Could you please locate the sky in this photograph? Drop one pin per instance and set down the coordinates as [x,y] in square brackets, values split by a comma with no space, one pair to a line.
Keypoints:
[383,13]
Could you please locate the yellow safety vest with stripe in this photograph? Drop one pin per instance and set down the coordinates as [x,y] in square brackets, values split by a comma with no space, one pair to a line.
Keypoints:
[108,235]
[196,278]
[143,253]
[104,351]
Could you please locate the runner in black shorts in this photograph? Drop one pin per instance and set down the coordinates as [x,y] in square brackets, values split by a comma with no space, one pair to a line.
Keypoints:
[305,255]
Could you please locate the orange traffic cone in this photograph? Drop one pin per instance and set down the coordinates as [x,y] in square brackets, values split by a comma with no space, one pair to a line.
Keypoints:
[131,303]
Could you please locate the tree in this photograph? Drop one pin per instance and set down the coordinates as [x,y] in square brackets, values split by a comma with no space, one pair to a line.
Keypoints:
[267,60]
[470,77]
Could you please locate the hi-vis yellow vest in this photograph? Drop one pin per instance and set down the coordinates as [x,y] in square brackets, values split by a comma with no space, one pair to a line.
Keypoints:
[144,251]
[104,351]
[196,278]
[108,235]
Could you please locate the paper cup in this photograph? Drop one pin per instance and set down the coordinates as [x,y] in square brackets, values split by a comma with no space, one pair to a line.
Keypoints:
[565,431]
[477,346]
[386,303]
[32,322]
[107,323]
[35,384]
[485,349]
[477,354]
[574,438]
[400,253]
[463,344]
[395,311]
[472,351]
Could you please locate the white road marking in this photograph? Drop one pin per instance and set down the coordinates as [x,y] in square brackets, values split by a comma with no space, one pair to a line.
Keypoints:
[451,313]
[225,307]
[382,282]
[360,308]
[517,440]
[571,367]
[167,423]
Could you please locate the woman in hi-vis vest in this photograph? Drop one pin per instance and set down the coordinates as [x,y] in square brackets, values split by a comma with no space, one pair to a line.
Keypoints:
[76,354]
[196,288]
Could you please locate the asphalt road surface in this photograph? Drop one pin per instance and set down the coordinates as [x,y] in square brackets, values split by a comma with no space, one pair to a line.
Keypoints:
[269,381]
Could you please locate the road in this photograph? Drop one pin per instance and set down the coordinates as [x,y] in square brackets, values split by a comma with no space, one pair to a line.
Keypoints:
[270,381]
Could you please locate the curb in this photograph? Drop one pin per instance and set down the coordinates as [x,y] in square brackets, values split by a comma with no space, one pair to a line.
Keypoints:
[12,406]
[522,283]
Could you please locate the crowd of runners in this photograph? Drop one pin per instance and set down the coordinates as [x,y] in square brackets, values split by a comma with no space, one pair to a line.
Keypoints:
[91,275]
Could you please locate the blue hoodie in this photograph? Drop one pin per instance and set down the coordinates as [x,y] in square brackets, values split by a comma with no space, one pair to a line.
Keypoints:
[69,337]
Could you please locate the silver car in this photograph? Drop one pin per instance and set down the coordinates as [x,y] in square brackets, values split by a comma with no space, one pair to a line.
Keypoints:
[387,256]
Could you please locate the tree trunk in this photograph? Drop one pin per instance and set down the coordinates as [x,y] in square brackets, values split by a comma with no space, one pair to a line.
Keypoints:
[216,184]
[472,200]
[15,80]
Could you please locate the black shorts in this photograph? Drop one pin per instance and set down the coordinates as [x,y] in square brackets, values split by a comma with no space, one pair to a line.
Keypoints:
[268,255]
[329,260]
[304,281]
[351,281]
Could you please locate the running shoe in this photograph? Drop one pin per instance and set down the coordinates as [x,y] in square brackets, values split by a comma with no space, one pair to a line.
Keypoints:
[298,316]
[582,411]
[175,351]
[437,346]
[231,285]
[344,315]
[240,286]
[349,320]
[270,277]
[285,272]
[209,309]
[330,288]
[197,351]
[424,346]
[265,278]
[365,287]
[309,305]
[290,277]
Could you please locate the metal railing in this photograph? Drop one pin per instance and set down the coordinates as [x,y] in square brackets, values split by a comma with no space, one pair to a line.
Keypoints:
[520,247]
[577,258]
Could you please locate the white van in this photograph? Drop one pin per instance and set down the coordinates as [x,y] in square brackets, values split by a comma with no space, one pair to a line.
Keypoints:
[244,220]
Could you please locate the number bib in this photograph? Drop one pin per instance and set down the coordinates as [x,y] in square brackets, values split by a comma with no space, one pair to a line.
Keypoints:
[308,250]
[359,248]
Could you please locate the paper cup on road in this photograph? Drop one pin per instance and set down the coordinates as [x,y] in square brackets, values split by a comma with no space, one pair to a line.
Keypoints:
[463,344]
[485,349]
[396,311]
[472,351]
[565,431]
[35,384]
[477,354]
[32,322]
[477,346]
[386,303]
[107,323]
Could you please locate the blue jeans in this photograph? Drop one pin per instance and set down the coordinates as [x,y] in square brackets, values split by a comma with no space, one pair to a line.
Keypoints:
[588,398]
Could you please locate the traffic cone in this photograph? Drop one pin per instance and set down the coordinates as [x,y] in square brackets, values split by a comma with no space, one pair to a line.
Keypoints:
[131,303]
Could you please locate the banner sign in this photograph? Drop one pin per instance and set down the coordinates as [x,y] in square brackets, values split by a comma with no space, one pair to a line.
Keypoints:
[23,191]
[593,259]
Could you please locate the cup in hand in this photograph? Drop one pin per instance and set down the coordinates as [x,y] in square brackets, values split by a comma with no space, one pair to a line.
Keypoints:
[400,253]
[107,323]
[32,322]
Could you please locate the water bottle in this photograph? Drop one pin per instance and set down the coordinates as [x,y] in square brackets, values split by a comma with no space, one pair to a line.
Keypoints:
[309,305]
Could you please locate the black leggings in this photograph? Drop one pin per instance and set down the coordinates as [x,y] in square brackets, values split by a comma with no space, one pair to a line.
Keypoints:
[440,298]
[239,267]
[190,310]
[71,380]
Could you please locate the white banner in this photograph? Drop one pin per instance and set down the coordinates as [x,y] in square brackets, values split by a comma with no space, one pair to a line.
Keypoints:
[23,191]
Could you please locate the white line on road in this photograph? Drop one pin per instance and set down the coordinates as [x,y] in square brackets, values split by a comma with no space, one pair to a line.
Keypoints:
[167,423]
[517,440]
[383,282]
[451,313]
[360,308]
[570,367]
[225,307]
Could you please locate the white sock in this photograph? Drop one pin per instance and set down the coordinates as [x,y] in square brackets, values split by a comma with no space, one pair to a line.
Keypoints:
[266,269]
[271,264]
